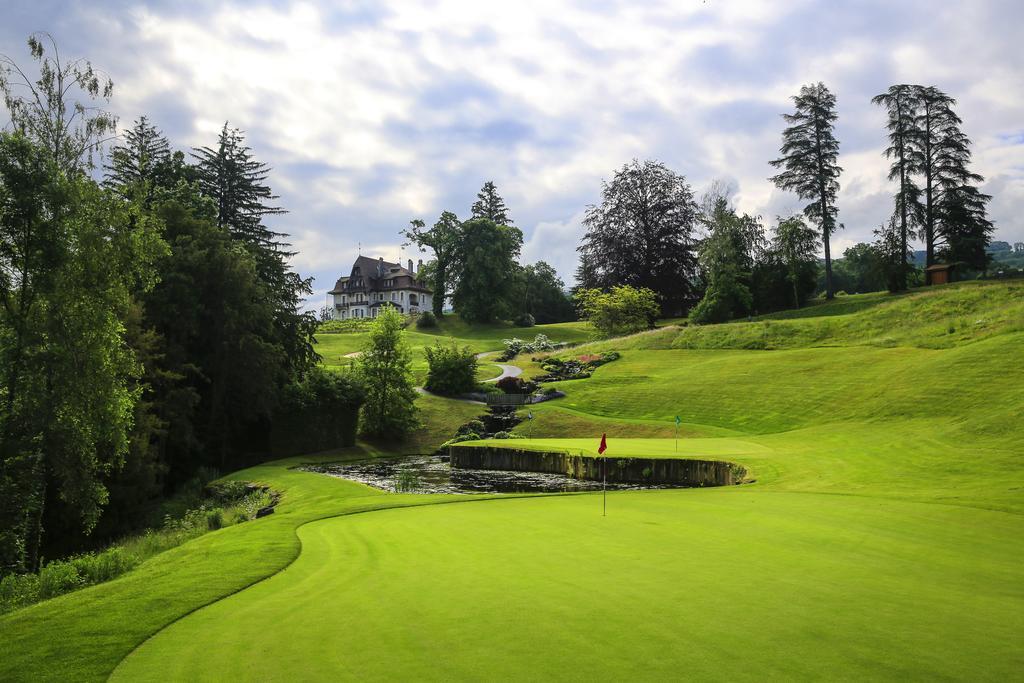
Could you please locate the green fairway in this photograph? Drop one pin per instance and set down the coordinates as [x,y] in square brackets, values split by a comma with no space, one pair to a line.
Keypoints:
[671,584]
[880,534]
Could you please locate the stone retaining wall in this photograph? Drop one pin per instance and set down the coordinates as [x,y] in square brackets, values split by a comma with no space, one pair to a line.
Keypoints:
[676,471]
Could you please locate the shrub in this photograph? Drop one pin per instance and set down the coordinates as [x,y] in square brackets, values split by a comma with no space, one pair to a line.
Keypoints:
[501,435]
[214,519]
[426,320]
[57,578]
[471,427]
[525,320]
[513,385]
[623,310]
[451,370]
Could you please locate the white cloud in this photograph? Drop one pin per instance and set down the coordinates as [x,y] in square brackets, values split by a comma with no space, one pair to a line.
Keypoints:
[403,111]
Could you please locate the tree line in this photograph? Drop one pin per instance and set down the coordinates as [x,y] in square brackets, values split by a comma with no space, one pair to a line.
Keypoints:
[650,232]
[476,265]
[150,322]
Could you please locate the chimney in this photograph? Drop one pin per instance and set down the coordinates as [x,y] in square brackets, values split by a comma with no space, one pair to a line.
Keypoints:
[410,266]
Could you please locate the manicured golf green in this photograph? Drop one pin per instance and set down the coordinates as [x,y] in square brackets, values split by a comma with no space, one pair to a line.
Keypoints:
[882,536]
[671,584]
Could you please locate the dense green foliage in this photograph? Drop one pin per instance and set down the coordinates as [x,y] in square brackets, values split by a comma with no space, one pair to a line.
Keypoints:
[542,295]
[486,264]
[451,370]
[641,235]
[149,325]
[70,259]
[385,368]
[443,240]
[317,413]
[621,310]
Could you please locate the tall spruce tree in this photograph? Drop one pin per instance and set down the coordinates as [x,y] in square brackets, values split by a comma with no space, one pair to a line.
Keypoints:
[809,158]
[490,205]
[902,104]
[237,183]
[642,235]
[141,164]
[934,139]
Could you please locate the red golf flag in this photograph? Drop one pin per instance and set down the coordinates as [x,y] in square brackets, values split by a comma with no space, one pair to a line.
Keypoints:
[604,445]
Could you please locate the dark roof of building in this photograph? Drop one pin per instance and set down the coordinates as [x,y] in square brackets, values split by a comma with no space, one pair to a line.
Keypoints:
[373,271]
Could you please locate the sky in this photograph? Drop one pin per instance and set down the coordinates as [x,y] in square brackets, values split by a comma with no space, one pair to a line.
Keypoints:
[372,114]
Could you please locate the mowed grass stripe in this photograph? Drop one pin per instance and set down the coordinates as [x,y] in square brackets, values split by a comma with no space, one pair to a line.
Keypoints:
[698,584]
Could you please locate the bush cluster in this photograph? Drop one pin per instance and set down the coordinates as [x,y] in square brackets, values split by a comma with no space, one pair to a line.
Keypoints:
[426,320]
[575,368]
[319,412]
[451,369]
[525,320]
[515,346]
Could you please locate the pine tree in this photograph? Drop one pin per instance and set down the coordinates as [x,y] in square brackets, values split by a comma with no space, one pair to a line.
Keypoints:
[490,205]
[902,103]
[237,183]
[140,165]
[231,176]
[809,158]
[964,230]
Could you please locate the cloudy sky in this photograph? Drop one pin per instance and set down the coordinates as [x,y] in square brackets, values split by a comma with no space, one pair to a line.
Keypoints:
[375,113]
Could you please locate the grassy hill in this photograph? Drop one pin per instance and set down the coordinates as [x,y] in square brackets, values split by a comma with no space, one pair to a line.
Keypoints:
[883,537]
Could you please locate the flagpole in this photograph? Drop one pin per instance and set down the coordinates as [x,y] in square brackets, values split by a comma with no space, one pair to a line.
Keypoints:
[604,487]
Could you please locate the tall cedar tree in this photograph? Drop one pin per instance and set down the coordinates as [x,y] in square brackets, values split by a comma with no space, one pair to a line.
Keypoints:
[954,212]
[237,183]
[901,103]
[809,158]
[386,370]
[485,264]
[443,240]
[642,235]
[70,132]
[490,205]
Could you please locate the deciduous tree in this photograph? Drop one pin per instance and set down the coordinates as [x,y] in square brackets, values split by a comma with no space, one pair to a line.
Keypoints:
[641,235]
[443,240]
[70,131]
[385,367]
[486,263]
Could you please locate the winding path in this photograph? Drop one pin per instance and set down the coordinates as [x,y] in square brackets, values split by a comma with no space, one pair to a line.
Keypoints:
[506,370]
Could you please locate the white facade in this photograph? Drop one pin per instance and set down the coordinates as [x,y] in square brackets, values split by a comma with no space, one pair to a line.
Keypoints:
[372,284]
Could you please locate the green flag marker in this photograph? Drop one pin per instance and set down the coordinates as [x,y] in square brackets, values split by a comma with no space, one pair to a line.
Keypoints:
[679,420]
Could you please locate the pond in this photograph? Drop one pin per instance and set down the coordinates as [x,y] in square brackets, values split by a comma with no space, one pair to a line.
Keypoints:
[433,474]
